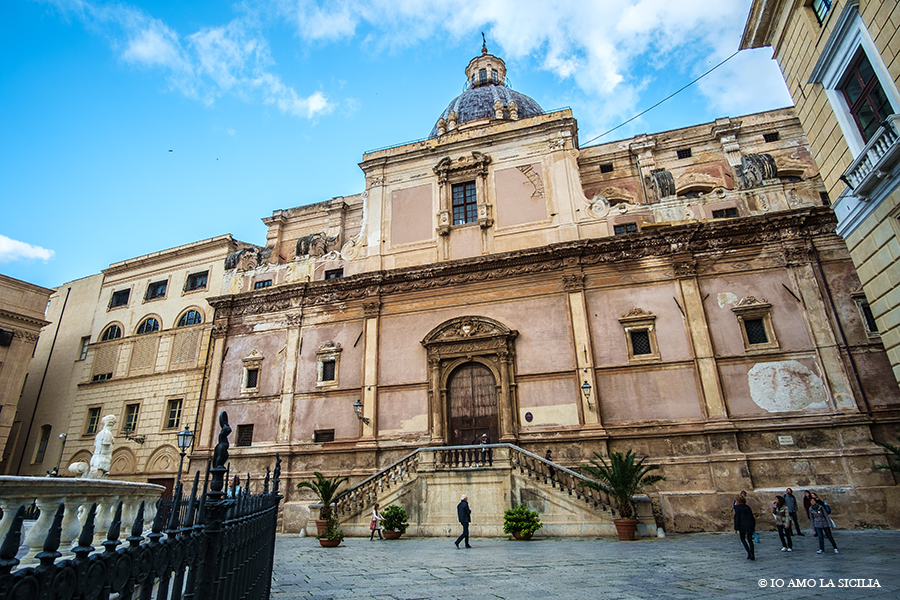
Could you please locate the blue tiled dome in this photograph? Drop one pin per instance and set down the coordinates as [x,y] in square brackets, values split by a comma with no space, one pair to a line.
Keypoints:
[478,103]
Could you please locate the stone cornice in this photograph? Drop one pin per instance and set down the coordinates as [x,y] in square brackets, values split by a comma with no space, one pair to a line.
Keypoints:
[676,243]
[25,319]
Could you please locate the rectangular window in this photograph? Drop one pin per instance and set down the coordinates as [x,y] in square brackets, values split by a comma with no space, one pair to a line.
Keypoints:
[868,317]
[129,423]
[625,228]
[756,331]
[868,103]
[821,8]
[85,342]
[607,168]
[42,444]
[101,377]
[334,274]
[495,77]
[482,75]
[173,412]
[244,435]
[323,435]
[6,337]
[771,137]
[465,203]
[156,289]
[196,281]
[640,342]
[328,370]
[685,153]
[93,421]
[119,298]
[725,213]
[826,201]
[262,284]
[252,379]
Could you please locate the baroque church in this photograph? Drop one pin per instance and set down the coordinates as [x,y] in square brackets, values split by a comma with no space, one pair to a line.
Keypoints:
[682,294]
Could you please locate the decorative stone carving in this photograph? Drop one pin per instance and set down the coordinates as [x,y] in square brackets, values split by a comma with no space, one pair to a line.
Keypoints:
[376,181]
[757,169]
[796,255]
[315,245]
[442,126]
[372,309]
[685,268]
[513,110]
[557,144]
[498,108]
[452,120]
[599,206]
[293,319]
[100,461]
[751,302]
[247,259]
[660,183]
[443,227]
[637,314]
[484,215]
[464,166]
[573,282]
[535,179]
[219,330]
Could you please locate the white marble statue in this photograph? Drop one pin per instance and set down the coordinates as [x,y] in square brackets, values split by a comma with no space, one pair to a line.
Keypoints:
[102,457]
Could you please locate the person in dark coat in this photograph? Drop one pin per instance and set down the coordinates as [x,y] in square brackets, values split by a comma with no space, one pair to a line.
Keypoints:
[745,525]
[792,507]
[464,514]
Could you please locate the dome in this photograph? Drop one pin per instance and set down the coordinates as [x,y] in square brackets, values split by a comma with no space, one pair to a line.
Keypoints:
[487,97]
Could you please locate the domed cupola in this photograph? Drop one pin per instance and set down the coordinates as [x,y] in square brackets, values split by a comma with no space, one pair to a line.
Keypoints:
[487,97]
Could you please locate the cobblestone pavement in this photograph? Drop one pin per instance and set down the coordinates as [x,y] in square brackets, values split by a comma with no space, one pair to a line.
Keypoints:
[702,565]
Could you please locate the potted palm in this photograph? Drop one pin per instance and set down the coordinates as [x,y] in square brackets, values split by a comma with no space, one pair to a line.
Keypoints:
[394,523]
[521,522]
[332,536]
[622,477]
[327,491]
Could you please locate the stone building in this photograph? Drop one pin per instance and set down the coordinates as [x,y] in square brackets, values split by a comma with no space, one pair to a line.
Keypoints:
[841,62]
[682,294]
[132,342]
[22,308]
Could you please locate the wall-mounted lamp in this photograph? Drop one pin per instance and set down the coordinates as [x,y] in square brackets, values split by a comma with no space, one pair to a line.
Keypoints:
[586,390]
[357,406]
[140,439]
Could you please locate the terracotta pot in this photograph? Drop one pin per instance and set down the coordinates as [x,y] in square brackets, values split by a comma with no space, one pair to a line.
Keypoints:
[321,526]
[626,529]
[326,543]
[391,535]
[522,536]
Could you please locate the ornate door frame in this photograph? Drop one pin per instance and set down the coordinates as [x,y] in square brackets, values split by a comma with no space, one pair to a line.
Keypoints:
[471,339]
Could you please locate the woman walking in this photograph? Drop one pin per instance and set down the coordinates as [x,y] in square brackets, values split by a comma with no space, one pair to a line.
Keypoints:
[822,523]
[745,525]
[375,525]
[783,523]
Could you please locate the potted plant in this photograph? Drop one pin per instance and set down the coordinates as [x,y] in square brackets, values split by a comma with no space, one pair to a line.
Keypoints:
[327,491]
[622,477]
[521,522]
[394,524]
[332,536]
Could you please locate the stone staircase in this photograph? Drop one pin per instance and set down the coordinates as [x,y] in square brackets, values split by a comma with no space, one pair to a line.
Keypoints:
[428,483]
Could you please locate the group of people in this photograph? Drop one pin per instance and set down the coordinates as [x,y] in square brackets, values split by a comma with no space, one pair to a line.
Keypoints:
[784,512]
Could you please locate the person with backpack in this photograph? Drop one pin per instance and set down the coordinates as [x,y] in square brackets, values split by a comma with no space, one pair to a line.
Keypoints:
[821,522]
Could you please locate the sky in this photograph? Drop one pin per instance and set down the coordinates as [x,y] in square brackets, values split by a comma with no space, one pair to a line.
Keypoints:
[131,127]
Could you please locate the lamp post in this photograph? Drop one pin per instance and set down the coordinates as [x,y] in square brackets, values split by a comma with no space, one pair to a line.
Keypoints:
[357,406]
[62,437]
[185,439]
[586,390]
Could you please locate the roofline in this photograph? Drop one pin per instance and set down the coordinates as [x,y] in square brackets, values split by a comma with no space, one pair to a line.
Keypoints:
[219,240]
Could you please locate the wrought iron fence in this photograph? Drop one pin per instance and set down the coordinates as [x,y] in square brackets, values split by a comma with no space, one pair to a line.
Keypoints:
[202,547]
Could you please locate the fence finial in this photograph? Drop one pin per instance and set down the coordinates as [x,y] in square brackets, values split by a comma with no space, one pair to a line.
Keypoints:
[277,478]
[87,533]
[11,542]
[51,542]
[220,457]
[137,528]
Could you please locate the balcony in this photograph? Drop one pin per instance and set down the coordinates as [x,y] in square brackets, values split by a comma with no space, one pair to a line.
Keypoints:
[875,162]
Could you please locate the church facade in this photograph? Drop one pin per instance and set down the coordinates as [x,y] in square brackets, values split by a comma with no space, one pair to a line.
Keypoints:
[681,294]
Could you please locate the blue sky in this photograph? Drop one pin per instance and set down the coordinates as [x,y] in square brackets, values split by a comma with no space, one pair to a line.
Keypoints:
[269,104]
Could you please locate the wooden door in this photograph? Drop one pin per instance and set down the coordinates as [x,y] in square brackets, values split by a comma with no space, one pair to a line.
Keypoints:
[473,405]
[168,483]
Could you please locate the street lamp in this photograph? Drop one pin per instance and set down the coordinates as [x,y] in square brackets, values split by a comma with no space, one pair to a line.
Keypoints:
[357,406]
[185,439]
[55,471]
[586,390]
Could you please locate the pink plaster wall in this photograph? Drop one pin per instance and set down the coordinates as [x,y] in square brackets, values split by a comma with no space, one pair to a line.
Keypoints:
[659,395]
[403,411]
[560,395]
[787,313]
[263,416]
[808,393]
[606,306]
[271,373]
[332,412]
[465,241]
[412,215]
[350,369]
[516,202]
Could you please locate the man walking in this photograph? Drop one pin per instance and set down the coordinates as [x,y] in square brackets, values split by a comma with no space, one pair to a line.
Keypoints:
[791,503]
[464,513]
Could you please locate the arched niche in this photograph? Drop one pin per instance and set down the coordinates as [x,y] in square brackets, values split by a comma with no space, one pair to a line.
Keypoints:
[471,339]
[163,460]
[123,462]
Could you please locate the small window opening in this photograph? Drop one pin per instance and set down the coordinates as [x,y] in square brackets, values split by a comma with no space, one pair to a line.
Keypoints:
[334,274]
[640,342]
[328,370]
[85,342]
[625,228]
[262,284]
[119,298]
[101,377]
[244,435]
[323,435]
[42,445]
[196,281]
[482,76]
[495,77]
[113,332]
[156,290]
[173,418]
[606,168]
[252,378]
[93,420]
[6,337]
[685,153]
[771,137]
[756,331]
[129,424]
[465,203]
[725,213]
[826,201]
[821,8]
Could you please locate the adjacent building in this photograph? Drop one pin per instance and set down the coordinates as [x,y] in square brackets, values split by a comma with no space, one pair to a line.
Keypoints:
[841,62]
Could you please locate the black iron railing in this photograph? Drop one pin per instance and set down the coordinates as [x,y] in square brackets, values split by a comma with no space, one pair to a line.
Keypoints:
[202,547]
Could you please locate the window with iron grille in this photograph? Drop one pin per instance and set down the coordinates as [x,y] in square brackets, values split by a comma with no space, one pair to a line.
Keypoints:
[244,435]
[129,423]
[821,8]
[756,331]
[252,379]
[606,168]
[465,203]
[771,137]
[640,342]
[328,370]
[42,444]
[725,213]
[323,435]
[868,103]
[93,420]
[262,284]
[119,298]
[625,228]
[684,153]
[196,281]
[156,290]
[173,413]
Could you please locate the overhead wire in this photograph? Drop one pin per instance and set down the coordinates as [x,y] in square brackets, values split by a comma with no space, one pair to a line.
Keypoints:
[669,97]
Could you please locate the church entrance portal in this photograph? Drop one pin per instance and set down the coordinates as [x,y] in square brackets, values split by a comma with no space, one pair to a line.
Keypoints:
[473,404]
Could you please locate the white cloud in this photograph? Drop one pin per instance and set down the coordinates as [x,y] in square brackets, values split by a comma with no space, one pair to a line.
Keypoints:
[11,250]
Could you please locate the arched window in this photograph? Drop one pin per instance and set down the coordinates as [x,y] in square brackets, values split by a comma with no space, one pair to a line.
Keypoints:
[113,332]
[191,317]
[149,325]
